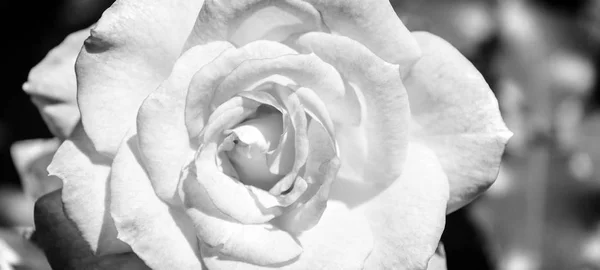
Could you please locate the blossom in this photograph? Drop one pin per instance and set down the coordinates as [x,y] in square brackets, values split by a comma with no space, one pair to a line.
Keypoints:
[290,134]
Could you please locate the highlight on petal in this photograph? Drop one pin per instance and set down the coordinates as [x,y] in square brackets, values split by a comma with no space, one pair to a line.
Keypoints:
[456,115]
[145,222]
[242,22]
[131,50]
[383,99]
[163,137]
[374,24]
[407,218]
[52,85]
[85,174]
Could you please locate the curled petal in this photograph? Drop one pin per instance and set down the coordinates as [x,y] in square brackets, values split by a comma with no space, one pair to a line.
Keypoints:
[52,85]
[457,116]
[260,244]
[374,24]
[164,142]
[407,219]
[131,33]
[85,174]
[143,220]
[321,170]
[201,92]
[385,121]
[246,208]
[232,198]
[298,119]
[242,22]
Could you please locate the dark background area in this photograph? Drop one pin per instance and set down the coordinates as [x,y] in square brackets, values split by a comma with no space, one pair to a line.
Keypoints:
[33,30]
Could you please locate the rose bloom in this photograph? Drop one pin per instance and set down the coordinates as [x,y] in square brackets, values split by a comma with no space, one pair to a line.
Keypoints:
[273,134]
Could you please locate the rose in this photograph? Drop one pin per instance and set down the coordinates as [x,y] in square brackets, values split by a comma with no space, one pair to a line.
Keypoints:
[164,159]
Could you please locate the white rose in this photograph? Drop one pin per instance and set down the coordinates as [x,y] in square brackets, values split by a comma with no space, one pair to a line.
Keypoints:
[291,134]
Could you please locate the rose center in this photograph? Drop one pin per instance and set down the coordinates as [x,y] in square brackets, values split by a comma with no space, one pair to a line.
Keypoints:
[252,141]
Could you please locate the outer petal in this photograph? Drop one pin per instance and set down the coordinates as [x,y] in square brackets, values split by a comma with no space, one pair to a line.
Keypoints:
[63,244]
[162,236]
[385,119]
[242,22]
[84,173]
[340,240]
[52,85]
[407,219]
[164,141]
[130,52]
[374,24]
[457,116]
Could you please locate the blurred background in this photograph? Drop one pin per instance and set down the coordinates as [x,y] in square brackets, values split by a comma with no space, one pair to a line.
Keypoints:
[540,57]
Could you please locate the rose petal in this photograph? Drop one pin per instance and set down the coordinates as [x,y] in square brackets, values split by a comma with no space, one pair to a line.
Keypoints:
[257,243]
[276,158]
[458,117]
[198,106]
[340,240]
[303,70]
[131,51]
[51,85]
[407,219]
[321,170]
[374,24]
[242,22]
[164,142]
[85,173]
[385,121]
[63,244]
[221,189]
[145,222]
[298,119]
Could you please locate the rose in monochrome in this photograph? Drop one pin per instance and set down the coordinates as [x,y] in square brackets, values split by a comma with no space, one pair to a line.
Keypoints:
[273,134]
